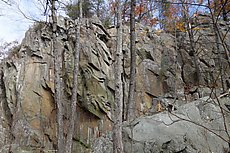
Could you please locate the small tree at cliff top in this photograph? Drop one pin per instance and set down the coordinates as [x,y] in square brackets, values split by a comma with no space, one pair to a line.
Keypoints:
[97,8]
[8,49]
[73,9]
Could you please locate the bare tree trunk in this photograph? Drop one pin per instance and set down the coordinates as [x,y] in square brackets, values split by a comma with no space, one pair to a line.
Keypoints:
[118,104]
[124,9]
[192,43]
[224,11]
[98,8]
[220,58]
[57,81]
[72,119]
[131,100]
[219,52]
[162,8]
[224,44]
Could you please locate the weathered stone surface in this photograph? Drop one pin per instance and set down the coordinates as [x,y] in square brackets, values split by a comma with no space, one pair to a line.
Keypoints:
[166,132]
[27,88]
[165,75]
[194,127]
[103,144]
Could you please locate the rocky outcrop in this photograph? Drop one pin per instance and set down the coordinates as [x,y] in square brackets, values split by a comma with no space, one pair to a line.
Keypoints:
[194,127]
[27,88]
[165,77]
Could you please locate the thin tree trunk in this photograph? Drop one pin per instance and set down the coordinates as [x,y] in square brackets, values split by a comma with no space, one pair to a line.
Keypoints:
[124,9]
[217,39]
[57,81]
[131,100]
[98,8]
[192,43]
[72,119]
[220,58]
[118,104]
[162,10]
[225,45]
[224,11]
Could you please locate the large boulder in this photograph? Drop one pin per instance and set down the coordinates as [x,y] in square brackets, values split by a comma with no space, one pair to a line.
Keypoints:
[194,127]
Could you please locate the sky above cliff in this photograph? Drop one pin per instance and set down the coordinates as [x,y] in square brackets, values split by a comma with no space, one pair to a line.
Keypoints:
[13,24]
[17,16]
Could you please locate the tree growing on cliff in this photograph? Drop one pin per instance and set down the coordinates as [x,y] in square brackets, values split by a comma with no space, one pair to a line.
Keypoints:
[189,30]
[118,103]
[73,9]
[72,119]
[220,8]
[163,7]
[215,10]
[57,80]
[8,49]
[65,144]
[97,8]
[131,99]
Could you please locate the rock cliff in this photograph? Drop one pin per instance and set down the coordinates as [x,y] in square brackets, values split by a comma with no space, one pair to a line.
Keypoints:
[195,127]
[166,76]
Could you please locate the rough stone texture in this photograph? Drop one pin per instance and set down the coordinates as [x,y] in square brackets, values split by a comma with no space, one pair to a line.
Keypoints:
[27,88]
[166,133]
[103,144]
[165,77]
[183,130]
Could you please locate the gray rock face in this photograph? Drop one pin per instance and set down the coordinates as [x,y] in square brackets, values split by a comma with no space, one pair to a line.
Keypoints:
[194,127]
[103,144]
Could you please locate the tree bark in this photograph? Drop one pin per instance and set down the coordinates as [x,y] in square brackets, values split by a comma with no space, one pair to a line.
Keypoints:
[72,120]
[220,58]
[224,11]
[191,42]
[219,51]
[131,100]
[118,104]
[57,81]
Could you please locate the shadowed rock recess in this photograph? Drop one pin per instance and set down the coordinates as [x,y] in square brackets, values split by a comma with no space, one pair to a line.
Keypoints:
[166,81]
